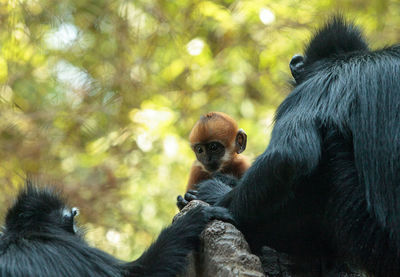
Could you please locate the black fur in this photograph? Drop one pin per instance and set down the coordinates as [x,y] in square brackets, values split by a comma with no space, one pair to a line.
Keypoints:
[40,239]
[223,184]
[329,182]
[335,38]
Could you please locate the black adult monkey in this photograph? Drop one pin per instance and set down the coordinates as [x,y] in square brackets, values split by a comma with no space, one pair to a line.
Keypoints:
[40,239]
[329,182]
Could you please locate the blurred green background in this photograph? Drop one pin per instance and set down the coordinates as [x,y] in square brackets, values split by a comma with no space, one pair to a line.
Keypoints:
[98,97]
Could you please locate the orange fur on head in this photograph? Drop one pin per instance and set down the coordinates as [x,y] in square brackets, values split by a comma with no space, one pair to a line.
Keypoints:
[215,126]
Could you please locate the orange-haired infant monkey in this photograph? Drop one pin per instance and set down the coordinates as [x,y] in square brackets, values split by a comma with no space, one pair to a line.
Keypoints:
[217,143]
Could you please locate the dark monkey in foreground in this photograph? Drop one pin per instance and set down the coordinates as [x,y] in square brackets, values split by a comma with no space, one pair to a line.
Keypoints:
[328,184]
[40,238]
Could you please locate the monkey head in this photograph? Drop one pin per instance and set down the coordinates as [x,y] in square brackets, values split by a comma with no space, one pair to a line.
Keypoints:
[36,210]
[216,139]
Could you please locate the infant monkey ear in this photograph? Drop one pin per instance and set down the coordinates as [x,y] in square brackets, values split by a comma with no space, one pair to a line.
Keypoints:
[240,141]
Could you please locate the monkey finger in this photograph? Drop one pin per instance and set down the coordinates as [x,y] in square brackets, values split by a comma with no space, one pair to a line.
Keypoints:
[190,197]
[181,202]
[193,191]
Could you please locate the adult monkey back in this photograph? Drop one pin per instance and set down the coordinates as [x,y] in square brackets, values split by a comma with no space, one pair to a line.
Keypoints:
[328,184]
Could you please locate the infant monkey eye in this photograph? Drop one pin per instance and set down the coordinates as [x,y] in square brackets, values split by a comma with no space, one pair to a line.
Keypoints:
[199,149]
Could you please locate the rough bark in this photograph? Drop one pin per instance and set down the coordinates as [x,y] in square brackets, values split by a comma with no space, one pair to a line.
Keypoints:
[225,252]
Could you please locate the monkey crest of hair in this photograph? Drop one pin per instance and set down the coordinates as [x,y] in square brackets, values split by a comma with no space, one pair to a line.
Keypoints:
[32,212]
[337,37]
[210,126]
[328,184]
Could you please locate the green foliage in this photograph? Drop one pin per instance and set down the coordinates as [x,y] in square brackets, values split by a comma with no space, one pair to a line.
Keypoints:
[98,97]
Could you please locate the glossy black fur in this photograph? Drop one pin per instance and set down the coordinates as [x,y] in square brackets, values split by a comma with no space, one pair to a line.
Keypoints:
[328,184]
[224,184]
[38,239]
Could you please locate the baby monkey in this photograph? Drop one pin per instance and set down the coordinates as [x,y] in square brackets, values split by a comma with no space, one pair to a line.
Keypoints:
[217,143]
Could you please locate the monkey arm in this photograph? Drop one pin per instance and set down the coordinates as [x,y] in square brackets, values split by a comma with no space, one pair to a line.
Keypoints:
[167,256]
[212,190]
[221,184]
[294,152]
[271,182]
